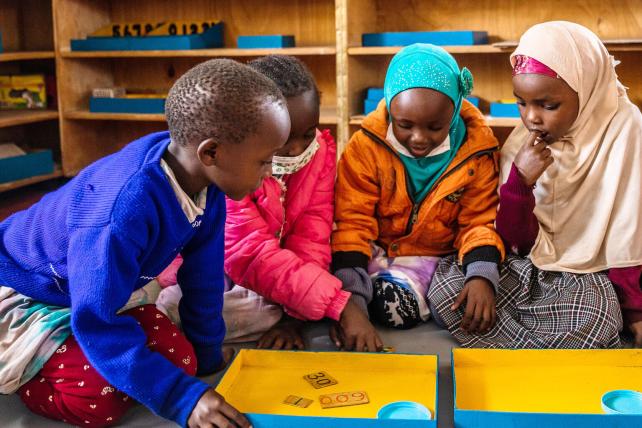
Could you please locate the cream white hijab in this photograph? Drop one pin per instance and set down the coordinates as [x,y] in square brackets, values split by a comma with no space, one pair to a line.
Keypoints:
[588,202]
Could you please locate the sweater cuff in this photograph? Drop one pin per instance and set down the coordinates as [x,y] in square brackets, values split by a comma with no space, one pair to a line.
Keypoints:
[208,358]
[183,399]
[485,253]
[357,281]
[486,270]
[349,259]
[337,305]
[515,185]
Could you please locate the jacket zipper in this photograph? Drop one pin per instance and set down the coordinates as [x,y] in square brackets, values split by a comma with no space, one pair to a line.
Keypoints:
[414,216]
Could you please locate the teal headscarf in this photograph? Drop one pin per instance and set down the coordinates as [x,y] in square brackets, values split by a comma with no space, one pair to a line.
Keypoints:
[428,66]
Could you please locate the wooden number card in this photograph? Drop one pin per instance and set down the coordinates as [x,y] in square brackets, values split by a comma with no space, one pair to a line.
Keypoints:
[342,399]
[127,29]
[320,379]
[294,400]
[183,28]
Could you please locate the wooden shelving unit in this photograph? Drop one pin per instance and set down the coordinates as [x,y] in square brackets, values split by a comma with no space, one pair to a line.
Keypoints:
[28,48]
[618,23]
[87,136]
[328,35]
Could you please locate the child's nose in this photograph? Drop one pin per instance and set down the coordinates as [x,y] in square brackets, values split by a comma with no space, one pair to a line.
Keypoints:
[420,137]
[533,117]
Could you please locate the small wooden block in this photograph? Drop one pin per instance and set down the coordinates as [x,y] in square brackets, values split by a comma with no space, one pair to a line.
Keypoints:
[342,399]
[388,349]
[297,401]
[320,379]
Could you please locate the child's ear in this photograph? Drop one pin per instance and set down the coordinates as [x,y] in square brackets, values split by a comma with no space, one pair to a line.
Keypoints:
[208,152]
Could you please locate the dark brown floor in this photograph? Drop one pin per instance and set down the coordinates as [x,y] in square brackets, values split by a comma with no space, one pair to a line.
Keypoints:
[22,198]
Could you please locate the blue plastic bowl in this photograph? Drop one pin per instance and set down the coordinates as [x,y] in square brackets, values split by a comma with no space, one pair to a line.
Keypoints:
[404,410]
[622,402]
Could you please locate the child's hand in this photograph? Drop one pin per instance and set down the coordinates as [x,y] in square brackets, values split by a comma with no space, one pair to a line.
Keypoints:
[480,312]
[636,329]
[213,410]
[354,331]
[533,159]
[284,335]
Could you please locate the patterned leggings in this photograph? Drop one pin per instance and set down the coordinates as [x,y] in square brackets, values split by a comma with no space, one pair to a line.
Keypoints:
[69,389]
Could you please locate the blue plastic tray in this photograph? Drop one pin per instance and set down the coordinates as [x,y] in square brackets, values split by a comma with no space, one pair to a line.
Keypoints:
[441,38]
[258,42]
[212,38]
[127,105]
[25,166]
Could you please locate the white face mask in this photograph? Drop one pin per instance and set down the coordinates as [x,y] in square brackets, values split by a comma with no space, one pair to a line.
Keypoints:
[441,148]
[282,165]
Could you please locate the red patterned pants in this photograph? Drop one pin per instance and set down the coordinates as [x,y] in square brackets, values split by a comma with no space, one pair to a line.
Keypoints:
[69,389]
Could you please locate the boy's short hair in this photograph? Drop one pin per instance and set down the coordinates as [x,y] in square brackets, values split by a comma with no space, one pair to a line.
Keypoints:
[289,73]
[220,99]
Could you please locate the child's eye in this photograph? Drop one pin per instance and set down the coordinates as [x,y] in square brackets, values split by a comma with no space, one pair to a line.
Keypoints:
[404,125]
[436,128]
[551,106]
[521,103]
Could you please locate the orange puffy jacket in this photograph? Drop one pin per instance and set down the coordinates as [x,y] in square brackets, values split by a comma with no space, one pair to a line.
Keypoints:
[373,203]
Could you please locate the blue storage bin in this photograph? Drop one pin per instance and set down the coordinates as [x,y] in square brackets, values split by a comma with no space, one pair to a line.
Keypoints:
[127,105]
[369,106]
[440,38]
[259,42]
[212,38]
[375,94]
[26,166]
[474,101]
[504,110]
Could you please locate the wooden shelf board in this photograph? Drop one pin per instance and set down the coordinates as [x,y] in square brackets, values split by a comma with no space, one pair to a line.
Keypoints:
[499,122]
[25,56]
[391,50]
[619,45]
[23,117]
[4,187]
[227,52]
[137,117]
[328,116]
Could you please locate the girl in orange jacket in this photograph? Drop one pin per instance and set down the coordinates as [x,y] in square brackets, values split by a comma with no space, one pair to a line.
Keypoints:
[416,183]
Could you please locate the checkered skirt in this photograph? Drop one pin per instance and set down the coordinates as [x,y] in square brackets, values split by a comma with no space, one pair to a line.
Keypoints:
[535,308]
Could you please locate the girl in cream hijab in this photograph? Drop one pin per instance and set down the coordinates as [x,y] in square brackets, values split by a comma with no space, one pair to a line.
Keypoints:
[570,201]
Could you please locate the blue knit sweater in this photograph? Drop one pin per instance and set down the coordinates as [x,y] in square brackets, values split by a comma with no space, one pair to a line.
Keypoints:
[106,233]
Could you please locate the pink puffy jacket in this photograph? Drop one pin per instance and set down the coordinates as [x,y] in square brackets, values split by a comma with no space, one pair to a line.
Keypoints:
[277,241]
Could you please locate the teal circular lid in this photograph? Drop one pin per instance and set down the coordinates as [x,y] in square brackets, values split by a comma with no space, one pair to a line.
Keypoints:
[404,410]
[622,402]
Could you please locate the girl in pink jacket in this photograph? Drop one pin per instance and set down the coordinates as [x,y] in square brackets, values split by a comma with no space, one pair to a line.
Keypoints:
[277,239]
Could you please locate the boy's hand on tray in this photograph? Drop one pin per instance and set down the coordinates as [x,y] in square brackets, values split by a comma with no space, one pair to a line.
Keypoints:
[480,314]
[355,332]
[213,410]
[284,335]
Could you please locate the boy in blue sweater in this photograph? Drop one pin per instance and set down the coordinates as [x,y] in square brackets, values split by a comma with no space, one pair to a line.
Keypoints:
[69,264]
